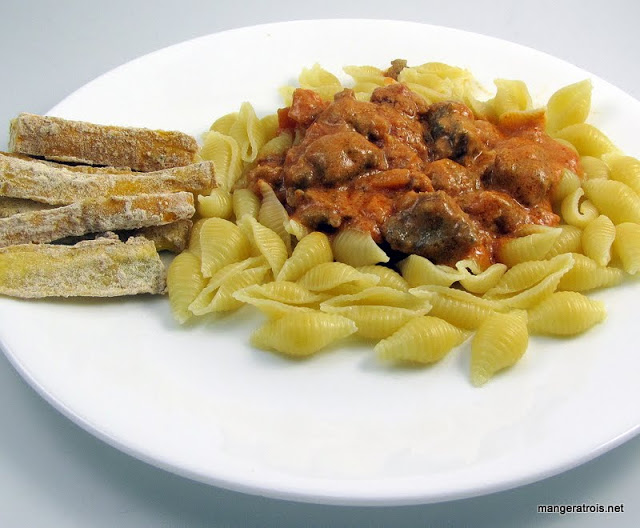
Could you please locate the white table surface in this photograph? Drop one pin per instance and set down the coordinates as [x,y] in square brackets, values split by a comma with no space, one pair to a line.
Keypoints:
[53,474]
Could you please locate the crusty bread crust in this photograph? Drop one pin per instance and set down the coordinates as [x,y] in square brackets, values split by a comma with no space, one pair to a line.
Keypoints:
[94,268]
[139,149]
[91,216]
[31,179]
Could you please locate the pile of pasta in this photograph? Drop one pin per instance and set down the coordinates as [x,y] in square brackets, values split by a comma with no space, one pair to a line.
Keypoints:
[314,291]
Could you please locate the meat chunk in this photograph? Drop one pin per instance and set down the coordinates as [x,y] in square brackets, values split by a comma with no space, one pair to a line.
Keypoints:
[381,124]
[402,99]
[449,125]
[334,159]
[394,180]
[431,225]
[519,170]
[397,65]
[524,169]
[306,106]
[495,211]
[453,132]
[451,177]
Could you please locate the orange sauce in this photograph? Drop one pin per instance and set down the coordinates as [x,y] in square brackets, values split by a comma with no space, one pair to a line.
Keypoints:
[412,174]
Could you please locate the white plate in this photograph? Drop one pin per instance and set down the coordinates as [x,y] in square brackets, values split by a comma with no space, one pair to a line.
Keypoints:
[338,428]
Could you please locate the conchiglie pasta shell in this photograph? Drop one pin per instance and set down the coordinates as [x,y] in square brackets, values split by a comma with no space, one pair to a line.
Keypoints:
[526,248]
[317,76]
[568,183]
[511,96]
[184,283]
[302,333]
[310,251]
[270,124]
[217,204]
[458,307]
[594,168]
[429,94]
[273,215]
[527,274]
[357,248]
[223,150]
[287,292]
[624,169]
[565,143]
[377,322]
[221,243]
[418,271]
[379,296]
[565,313]
[485,280]
[569,241]
[363,95]
[587,275]
[249,132]
[588,140]
[267,242]
[423,78]
[333,276]
[499,343]
[627,246]
[270,307]
[296,229]
[223,300]
[544,288]
[575,212]
[200,304]
[366,74]
[614,199]
[388,277]
[422,340]
[377,311]
[276,146]
[286,92]
[443,70]
[223,124]
[481,109]
[245,202]
[597,239]
[194,237]
[569,105]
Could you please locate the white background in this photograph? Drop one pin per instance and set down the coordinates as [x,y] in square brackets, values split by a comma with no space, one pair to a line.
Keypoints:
[54,474]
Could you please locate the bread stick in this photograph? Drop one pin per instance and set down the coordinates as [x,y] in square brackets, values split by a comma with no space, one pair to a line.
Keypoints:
[84,169]
[11,206]
[172,237]
[107,214]
[139,149]
[21,178]
[93,268]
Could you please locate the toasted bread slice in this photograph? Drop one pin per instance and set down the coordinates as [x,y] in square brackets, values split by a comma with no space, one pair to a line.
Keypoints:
[91,216]
[94,268]
[30,179]
[139,149]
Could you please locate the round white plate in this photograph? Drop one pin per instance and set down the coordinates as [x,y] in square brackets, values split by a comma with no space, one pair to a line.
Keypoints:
[339,428]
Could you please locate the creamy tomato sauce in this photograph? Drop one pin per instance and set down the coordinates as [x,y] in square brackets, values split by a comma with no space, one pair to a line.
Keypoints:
[423,179]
